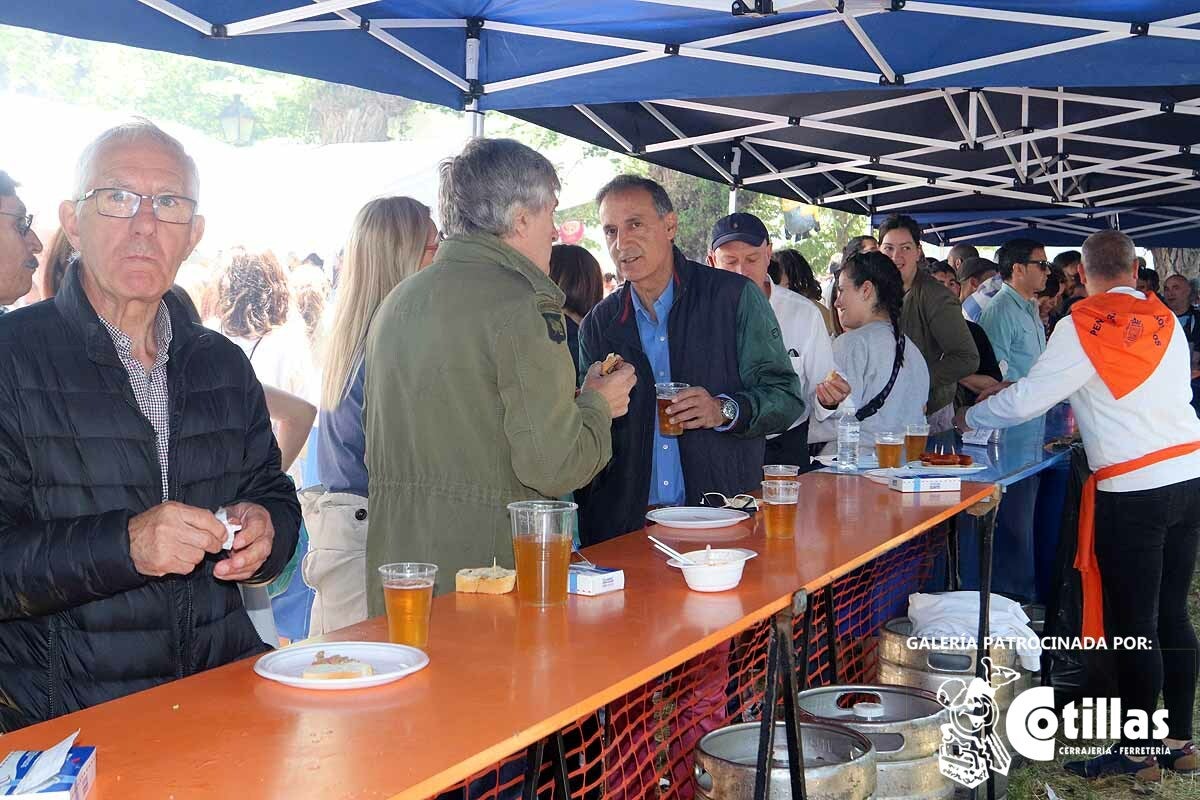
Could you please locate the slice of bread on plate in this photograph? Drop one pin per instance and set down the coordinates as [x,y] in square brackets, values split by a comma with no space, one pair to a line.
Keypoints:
[335,667]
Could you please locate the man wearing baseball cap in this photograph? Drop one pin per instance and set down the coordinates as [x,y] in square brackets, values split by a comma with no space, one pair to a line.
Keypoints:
[740,243]
[979,281]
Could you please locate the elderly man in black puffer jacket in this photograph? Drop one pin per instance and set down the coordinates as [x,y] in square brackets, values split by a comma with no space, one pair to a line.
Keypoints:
[123,427]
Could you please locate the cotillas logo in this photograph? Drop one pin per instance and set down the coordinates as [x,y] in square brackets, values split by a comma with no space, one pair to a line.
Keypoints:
[966,756]
[1031,725]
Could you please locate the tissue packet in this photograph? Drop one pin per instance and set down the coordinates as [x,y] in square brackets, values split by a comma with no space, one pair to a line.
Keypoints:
[585,580]
[74,780]
[230,528]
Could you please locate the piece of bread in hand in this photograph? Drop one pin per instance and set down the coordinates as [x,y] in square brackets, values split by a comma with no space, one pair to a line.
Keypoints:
[833,375]
[335,667]
[611,362]
[485,580]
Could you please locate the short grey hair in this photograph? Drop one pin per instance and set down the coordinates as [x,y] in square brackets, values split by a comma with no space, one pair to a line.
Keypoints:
[627,182]
[1108,254]
[8,187]
[138,129]
[484,185]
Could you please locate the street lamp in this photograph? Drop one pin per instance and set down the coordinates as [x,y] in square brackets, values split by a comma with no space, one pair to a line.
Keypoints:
[237,122]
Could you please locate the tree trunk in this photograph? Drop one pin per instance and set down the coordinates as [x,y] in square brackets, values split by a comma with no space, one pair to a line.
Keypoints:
[348,114]
[1169,261]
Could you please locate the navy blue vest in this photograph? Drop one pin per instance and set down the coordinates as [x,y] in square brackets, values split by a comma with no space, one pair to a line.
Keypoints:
[702,338]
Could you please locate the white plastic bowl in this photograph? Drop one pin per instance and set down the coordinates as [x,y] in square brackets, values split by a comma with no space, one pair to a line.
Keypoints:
[723,573]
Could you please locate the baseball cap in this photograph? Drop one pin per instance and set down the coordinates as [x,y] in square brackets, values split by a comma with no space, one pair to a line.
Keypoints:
[740,227]
[976,266]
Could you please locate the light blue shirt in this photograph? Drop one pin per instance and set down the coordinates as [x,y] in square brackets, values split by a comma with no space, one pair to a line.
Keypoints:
[975,303]
[666,473]
[1014,328]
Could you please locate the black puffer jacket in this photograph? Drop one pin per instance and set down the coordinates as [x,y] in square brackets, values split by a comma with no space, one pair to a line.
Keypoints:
[78,624]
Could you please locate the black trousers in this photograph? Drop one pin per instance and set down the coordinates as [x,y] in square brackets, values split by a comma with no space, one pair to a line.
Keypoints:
[1146,548]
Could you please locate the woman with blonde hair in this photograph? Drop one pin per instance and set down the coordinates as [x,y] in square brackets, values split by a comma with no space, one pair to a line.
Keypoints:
[392,238]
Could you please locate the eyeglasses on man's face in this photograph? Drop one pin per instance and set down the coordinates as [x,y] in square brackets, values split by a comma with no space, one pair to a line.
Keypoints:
[24,222]
[1044,265]
[123,204]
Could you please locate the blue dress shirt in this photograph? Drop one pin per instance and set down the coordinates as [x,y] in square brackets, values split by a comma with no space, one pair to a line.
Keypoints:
[666,474]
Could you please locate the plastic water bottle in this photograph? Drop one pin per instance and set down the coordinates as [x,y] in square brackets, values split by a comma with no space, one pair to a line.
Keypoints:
[848,430]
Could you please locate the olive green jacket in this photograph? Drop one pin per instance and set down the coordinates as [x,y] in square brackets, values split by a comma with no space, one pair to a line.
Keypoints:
[470,405]
[932,318]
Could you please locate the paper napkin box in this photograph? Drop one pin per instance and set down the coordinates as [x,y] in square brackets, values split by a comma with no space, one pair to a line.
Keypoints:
[73,780]
[925,484]
[585,580]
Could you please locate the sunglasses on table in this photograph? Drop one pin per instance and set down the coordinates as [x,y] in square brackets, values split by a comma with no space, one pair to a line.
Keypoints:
[739,502]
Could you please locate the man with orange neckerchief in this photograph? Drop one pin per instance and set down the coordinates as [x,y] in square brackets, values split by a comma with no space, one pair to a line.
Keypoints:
[1121,358]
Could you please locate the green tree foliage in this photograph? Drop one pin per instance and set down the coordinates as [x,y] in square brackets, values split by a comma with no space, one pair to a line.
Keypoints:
[163,86]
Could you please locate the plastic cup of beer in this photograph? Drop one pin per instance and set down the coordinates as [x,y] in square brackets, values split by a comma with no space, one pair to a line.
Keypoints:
[542,535]
[408,596]
[889,449]
[666,393]
[916,438]
[780,472]
[779,503]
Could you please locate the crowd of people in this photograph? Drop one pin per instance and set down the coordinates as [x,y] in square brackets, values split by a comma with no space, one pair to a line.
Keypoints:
[459,369]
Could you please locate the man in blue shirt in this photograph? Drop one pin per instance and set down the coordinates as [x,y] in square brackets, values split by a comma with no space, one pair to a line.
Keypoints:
[19,245]
[679,321]
[1011,320]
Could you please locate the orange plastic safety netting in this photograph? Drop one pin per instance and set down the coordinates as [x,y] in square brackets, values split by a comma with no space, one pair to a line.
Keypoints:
[641,745]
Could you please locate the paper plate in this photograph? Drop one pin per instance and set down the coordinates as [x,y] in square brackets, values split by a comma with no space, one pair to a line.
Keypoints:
[920,470]
[694,517]
[391,662]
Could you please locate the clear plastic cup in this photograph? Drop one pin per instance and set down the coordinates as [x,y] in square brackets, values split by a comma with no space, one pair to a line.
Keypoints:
[666,392]
[780,472]
[542,536]
[779,504]
[889,450]
[916,438]
[408,596]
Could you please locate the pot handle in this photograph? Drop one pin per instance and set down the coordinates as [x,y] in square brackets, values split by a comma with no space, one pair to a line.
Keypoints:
[948,662]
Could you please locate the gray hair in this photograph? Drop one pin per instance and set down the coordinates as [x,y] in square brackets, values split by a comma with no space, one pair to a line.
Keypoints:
[139,129]
[1108,255]
[624,183]
[484,185]
[8,187]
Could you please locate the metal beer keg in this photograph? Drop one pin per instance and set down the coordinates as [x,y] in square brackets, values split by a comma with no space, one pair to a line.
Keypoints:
[903,723]
[839,764]
[929,667]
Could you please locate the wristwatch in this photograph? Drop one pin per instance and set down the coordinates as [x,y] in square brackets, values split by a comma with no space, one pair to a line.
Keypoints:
[729,409]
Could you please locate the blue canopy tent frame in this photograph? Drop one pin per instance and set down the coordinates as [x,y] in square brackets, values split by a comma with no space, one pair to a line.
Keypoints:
[921,106]
[928,106]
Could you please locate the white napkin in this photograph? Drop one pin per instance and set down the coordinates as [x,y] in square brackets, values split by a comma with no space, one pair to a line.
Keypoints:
[230,528]
[47,766]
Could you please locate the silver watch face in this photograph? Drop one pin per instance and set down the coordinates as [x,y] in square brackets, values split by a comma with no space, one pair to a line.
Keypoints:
[729,409]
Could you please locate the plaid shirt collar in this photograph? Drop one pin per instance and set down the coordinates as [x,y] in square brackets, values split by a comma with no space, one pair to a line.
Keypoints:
[162,337]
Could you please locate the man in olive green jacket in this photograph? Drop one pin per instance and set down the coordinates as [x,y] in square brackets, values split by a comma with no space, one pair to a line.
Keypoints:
[470,391]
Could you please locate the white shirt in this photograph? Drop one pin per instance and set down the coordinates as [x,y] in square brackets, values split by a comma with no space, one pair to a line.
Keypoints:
[1156,415]
[806,339]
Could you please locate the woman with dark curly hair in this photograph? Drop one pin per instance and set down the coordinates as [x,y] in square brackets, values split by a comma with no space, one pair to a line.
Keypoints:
[253,305]
[790,270]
